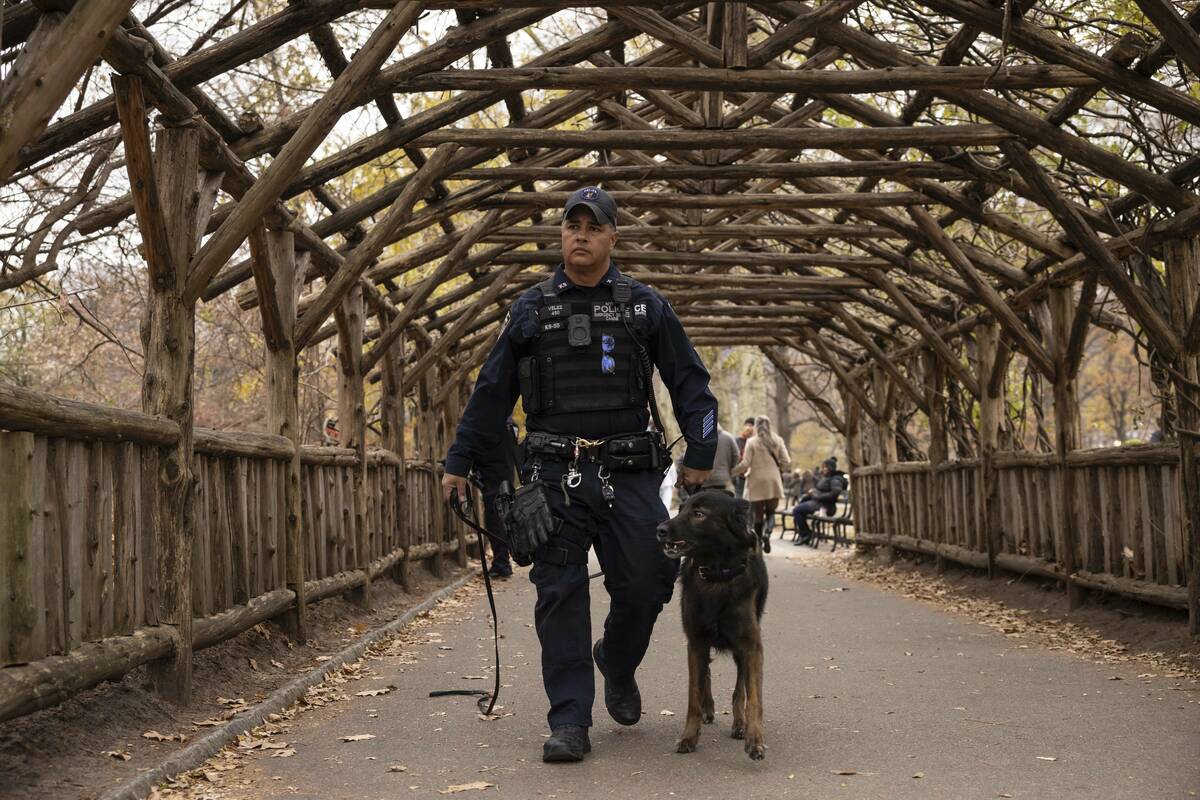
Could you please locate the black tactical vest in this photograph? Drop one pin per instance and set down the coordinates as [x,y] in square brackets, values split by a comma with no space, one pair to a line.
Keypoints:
[567,372]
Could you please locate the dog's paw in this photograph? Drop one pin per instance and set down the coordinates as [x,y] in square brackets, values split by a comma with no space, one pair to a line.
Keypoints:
[708,717]
[686,745]
[738,732]
[756,750]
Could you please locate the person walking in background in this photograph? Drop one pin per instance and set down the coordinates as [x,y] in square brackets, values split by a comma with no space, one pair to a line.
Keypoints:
[791,484]
[726,460]
[739,482]
[823,496]
[763,463]
[494,469]
[806,483]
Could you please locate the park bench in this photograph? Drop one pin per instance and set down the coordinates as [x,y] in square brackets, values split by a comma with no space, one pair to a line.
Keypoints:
[825,527]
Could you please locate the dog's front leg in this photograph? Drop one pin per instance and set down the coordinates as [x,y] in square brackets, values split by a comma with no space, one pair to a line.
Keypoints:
[755,747]
[707,707]
[697,666]
[739,697]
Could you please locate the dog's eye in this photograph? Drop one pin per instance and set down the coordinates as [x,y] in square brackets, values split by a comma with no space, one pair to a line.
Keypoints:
[697,513]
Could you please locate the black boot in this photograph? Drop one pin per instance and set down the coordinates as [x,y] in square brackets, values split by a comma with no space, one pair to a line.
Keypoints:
[623,700]
[566,743]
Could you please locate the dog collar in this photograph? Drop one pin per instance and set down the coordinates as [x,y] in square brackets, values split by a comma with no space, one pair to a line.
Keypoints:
[720,574]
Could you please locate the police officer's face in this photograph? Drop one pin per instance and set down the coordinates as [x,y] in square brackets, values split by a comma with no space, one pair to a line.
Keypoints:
[586,244]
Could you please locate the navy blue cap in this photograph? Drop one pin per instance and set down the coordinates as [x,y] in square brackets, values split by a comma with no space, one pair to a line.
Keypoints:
[602,206]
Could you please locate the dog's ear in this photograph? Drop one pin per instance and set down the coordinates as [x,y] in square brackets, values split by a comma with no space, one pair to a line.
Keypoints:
[740,519]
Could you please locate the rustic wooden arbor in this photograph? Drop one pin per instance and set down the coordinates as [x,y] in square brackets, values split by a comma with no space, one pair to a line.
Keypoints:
[880,190]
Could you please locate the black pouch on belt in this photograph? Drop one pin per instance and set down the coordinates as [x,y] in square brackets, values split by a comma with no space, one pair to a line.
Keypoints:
[634,451]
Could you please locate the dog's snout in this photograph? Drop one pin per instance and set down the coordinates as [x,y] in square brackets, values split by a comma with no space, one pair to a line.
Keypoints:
[663,531]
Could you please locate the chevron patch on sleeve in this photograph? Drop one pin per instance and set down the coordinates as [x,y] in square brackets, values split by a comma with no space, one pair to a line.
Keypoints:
[706,428]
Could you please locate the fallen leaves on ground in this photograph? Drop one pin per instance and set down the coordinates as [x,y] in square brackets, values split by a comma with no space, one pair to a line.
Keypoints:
[494,716]
[164,737]
[356,737]
[120,755]
[375,692]
[1015,623]
[250,742]
[202,782]
[466,787]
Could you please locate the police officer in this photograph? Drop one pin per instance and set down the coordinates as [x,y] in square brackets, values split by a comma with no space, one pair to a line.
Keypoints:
[578,349]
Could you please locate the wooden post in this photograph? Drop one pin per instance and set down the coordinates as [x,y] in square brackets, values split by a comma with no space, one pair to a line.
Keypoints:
[352,419]
[392,419]
[169,346]
[886,442]
[854,452]
[430,444]
[450,411]
[1066,436]
[991,400]
[735,44]
[22,627]
[935,401]
[279,283]
[1183,282]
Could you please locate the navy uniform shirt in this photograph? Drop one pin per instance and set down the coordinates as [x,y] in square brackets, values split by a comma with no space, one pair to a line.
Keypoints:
[481,429]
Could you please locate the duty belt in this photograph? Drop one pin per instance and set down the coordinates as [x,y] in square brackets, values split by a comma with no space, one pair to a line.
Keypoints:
[615,451]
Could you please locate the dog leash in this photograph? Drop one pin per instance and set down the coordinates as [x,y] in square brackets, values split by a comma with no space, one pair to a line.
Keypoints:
[487,700]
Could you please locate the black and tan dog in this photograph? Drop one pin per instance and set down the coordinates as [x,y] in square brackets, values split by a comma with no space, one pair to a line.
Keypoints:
[724,591]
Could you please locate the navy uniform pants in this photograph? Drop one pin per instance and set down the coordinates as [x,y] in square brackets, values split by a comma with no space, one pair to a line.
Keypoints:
[638,577]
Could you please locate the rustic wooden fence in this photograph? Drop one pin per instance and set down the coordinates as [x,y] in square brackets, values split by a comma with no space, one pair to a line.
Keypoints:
[1126,504]
[79,558]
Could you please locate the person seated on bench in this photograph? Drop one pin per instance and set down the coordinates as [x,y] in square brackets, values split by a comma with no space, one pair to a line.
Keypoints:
[823,497]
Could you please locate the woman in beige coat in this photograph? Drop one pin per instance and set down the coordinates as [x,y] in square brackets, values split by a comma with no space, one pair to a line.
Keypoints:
[763,463]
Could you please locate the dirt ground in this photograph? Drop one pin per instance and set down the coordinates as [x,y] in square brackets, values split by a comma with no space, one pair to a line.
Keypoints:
[105,736]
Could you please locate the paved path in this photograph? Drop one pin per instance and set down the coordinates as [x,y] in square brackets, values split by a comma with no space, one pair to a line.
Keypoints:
[917,703]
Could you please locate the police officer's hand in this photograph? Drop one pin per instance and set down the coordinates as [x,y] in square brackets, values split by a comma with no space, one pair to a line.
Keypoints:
[452,482]
[692,478]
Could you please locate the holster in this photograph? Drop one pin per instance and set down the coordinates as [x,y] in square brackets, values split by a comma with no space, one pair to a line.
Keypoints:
[527,519]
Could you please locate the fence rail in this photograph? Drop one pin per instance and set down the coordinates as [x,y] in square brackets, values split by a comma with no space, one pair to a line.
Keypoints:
[77,552]
[1127,504]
